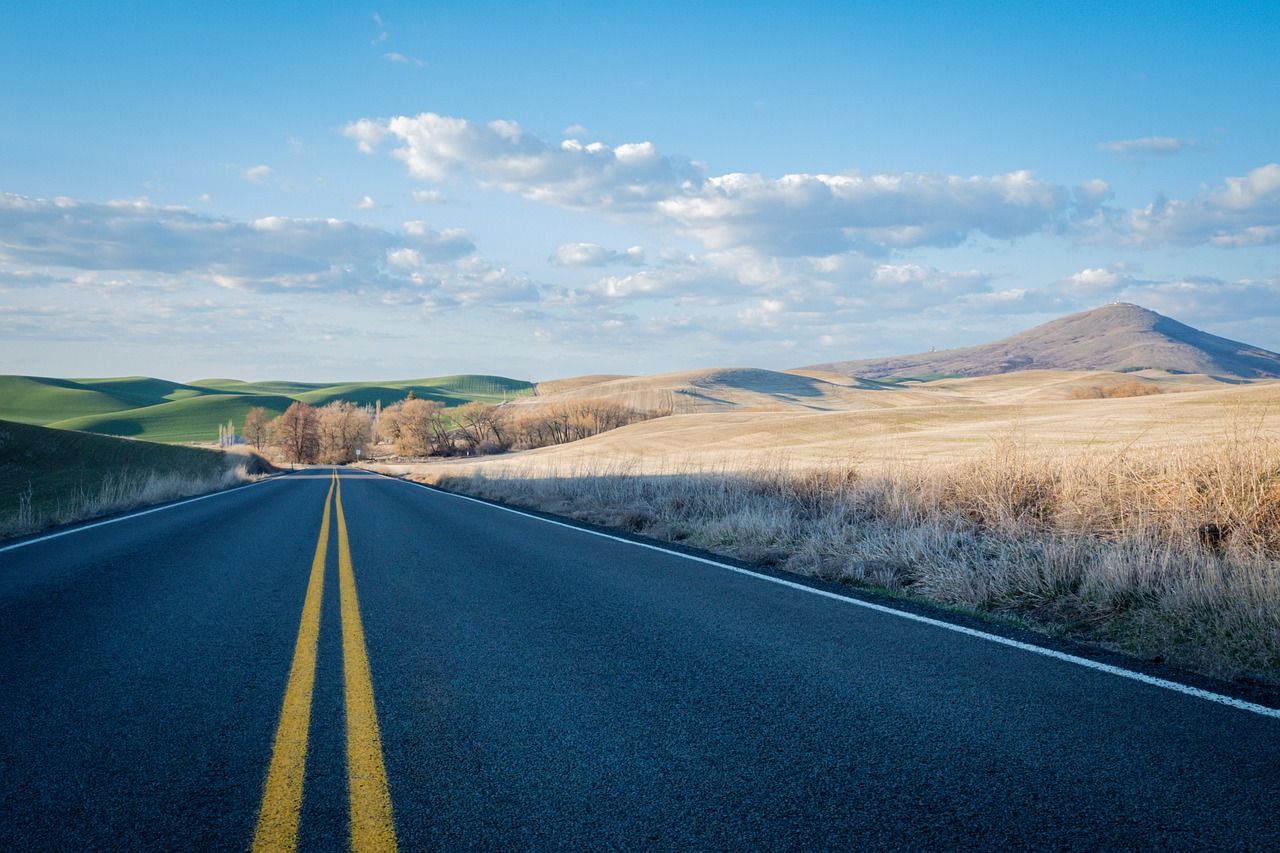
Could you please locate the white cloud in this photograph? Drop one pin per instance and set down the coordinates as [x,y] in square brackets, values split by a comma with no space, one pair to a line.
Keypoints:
[407,259]
[796,214]
[382,35]
[274,253]
[503,155]
[366,203]
[804,214]
[1243,211]
[258,174]
[428,196]
[402,59]
[766,313]
[593,255]
[1148,146]
[1190,297]
[1092,280]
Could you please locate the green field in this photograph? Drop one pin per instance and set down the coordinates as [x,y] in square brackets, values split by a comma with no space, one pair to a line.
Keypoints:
[192,419]
[160,410]
[58,468]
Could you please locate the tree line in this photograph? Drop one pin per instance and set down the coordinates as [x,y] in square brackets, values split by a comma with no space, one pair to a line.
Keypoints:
[339,432]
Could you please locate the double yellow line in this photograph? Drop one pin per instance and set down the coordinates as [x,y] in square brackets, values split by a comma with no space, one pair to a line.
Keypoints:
[372,826]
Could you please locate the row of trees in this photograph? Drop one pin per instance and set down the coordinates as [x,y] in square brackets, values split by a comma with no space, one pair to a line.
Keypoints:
[335,433]
[427,428]
[341,431]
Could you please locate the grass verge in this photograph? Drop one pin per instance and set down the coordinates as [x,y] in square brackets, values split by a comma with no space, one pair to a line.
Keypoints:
[1172,555]
[52,476]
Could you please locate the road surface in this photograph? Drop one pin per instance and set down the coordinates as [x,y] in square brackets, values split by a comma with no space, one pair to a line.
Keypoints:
[375,664]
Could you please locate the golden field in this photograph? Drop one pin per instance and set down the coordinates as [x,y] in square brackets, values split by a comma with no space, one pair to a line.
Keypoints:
[1148,523]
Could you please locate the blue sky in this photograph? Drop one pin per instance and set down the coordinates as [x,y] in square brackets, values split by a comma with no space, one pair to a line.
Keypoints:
[542,190]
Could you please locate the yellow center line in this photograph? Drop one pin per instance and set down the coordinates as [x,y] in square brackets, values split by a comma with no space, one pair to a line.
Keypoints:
[372,825]
[282,795]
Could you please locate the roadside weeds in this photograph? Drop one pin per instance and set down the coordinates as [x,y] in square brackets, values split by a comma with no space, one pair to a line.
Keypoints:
[122,490]
[1170,555]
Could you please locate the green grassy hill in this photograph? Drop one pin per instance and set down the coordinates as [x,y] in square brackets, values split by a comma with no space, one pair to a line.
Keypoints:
[160,410]
[42,399]
[192,419]
[238,386]
[62,473]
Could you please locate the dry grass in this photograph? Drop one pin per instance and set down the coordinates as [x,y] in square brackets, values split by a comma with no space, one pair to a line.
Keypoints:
[1169,552]
[949,419]
[116,492]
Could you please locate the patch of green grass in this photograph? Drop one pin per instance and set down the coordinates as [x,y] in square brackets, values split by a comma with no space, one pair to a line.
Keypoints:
[56,468]
[193,419]
[472,385]
[271,386]
[42,399]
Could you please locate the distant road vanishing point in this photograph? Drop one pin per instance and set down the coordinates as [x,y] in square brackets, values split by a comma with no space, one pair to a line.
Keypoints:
[336,660]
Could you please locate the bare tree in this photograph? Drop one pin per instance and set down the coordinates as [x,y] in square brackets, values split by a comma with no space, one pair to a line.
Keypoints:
[257,427]
[417,428]
[565,421]
[296,433]
[476,423]
[343,429]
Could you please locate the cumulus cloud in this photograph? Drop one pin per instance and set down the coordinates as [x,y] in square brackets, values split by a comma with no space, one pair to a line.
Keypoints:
[1191,297]
[796,214]
[503,155]
[764,313]
[366,203]
[428,196]
[258,174]
[1198,298]
[1147,146]
[1092,280]
[805,214]
[1243,211]
[268,254]
[594,255]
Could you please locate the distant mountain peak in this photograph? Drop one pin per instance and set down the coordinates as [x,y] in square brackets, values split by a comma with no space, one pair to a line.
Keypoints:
[1117,336]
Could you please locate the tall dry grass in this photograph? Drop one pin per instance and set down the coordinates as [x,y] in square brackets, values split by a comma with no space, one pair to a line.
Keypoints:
[120,491]
[1172,552]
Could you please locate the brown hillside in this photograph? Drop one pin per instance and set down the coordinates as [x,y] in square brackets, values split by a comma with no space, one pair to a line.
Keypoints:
[1118,337]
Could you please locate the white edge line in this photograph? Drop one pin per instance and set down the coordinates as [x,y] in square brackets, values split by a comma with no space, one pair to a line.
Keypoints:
[104,522]
[880,608]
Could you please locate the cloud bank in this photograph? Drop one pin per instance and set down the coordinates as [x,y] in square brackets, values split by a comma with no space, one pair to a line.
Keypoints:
[820,215]
[796,214]
[170,245]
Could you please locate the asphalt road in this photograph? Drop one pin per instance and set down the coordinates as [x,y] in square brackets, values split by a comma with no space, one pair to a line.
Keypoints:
[531,686]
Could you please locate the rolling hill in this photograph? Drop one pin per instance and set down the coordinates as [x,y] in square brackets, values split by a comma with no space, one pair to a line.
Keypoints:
[41,399]
[165,411]
[939,422]
[718,389]
[1118,337]
[194,419]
